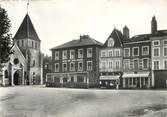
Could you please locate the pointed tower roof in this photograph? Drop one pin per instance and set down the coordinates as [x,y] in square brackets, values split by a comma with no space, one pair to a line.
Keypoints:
[26,30]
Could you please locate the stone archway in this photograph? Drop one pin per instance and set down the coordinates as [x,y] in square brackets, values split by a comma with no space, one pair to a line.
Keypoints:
[17,78]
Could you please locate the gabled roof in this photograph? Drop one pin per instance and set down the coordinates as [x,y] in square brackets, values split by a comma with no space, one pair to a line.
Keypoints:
[117,36]
[26,30]
[19,53]
[83,41]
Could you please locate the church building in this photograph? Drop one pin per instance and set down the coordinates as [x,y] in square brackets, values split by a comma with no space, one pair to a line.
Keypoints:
[25,65]
[29,44]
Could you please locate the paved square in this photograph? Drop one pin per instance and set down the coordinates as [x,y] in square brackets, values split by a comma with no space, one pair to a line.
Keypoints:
[29,101]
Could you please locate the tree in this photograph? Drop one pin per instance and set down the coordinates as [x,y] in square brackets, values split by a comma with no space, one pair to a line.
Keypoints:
[5,37]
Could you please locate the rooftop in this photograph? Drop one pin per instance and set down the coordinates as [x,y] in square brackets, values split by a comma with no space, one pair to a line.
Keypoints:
[26,30]
[84,40]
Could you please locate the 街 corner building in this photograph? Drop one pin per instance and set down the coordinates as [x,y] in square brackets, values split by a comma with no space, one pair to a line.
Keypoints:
[25,65]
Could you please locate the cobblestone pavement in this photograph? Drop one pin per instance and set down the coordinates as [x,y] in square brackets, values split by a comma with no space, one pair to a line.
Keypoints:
[39,101]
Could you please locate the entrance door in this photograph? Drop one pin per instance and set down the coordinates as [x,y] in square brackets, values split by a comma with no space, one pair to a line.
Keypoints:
[17,78]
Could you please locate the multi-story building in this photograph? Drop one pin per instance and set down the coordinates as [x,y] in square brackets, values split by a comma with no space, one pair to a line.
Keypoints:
[75,63]
[111,60]
[159,56]
[29,44]
[136,62]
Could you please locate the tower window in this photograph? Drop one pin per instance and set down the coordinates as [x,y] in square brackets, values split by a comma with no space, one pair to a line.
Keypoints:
[36,45]
[32,44]
[22,43]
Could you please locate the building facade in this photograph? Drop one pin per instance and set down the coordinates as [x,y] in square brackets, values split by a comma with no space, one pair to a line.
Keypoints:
[159,59]
[29,44]
[111,60]
[137,62]
[75,64]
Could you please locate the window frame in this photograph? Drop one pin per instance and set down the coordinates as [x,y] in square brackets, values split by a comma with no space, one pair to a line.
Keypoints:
[119,52]
[103,51]
[158,65]
[64,57]
[91,65]
[110,51]
[72,50]
[88,56]
[164,51]
[118,64]
[143,63]
[110,42]
[63,67]
[134,64]
[70,66]
[80,55]
[110,61]
[133,51]
[164,63]
[79,66]
[143,50]
[158,51]
[164,41]
[128,63]
[128,52]
[58,67]
[57,58]
[156,41]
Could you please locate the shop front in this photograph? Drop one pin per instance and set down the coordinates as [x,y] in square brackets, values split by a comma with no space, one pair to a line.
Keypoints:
[136,80]
[110,81]
[71,80]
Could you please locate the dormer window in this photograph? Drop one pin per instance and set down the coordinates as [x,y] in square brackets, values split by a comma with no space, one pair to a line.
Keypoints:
[110,42]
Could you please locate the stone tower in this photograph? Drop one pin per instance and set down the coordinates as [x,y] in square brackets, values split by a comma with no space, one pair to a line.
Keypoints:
[153,25]
[29,43]
[126,32]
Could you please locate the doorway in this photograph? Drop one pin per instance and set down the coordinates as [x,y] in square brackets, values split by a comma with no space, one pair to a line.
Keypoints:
[17,78]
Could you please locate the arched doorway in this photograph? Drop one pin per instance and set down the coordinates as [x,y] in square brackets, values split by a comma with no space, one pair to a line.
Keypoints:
[8,78]
[17,78]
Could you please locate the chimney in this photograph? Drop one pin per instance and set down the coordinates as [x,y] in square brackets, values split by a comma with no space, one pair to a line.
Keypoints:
[126,32]
[153,25]
[83,37]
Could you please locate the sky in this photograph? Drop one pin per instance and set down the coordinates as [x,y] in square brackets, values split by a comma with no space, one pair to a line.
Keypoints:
[60,21]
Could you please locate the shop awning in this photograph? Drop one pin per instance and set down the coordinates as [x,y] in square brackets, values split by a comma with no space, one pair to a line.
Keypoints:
[109,77]
[135,75]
